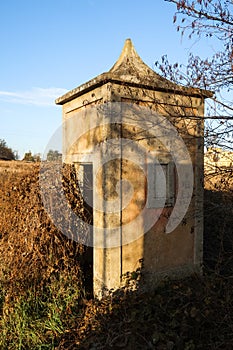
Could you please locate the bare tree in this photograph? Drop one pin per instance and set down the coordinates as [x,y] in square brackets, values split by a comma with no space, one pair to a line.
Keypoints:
[212,19]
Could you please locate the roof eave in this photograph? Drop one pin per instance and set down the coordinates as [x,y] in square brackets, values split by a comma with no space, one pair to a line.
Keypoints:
[104,78]
[82,89]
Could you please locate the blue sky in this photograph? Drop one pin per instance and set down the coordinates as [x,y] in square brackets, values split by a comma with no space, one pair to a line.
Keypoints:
[50,46]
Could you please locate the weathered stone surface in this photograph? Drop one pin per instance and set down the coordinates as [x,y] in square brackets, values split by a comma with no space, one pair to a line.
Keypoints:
[100,111]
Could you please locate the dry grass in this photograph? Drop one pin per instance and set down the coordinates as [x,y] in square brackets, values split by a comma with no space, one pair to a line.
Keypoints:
[15,166]
[31,246]
[40,274]
[42,297]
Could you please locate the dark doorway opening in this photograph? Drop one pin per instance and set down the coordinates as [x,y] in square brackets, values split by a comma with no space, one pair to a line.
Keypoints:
[85,178]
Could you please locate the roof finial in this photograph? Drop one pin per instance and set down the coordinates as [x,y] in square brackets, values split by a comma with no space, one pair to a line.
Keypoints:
[128,53]
[128,46]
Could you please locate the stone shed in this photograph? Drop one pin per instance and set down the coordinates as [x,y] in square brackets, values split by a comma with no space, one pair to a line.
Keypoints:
[136,140]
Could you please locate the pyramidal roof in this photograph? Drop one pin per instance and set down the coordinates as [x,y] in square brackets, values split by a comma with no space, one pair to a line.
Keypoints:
[130,68]
[132,71]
